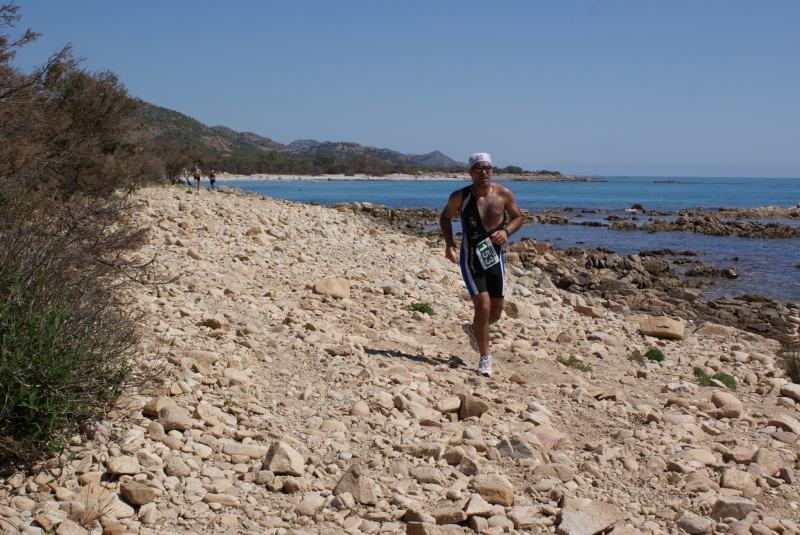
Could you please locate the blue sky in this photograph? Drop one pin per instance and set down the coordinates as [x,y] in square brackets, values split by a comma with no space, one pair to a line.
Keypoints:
[679,88]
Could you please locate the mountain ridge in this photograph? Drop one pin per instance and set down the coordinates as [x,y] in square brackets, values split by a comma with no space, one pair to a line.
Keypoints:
[163,124]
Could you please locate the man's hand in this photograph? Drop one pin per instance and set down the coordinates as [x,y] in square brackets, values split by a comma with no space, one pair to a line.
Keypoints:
[451,253]
[499,237]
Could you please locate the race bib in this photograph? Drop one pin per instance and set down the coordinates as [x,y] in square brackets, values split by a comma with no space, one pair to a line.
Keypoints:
[486,253]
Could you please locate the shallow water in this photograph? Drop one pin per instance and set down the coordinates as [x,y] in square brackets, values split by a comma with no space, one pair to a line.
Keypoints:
[765,267]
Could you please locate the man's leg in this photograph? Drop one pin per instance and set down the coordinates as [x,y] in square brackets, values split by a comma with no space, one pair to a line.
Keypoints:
[480,322]
[496,310]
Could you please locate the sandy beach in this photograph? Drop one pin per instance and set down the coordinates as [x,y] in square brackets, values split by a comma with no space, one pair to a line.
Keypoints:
[304,394]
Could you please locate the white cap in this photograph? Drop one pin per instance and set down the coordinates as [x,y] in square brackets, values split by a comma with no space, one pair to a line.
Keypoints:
[480,157]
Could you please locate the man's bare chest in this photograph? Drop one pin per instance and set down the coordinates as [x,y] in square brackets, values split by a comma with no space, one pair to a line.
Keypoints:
[491,209]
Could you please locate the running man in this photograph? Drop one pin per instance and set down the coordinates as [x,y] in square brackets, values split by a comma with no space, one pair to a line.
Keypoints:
[197,174]
[484,231]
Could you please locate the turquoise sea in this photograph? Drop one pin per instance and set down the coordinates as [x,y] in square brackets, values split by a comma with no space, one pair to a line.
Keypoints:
[766,267]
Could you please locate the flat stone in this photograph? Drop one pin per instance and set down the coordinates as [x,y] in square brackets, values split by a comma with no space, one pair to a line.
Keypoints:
[449,515]
[174,417]
[695,524]
[524,518]
[741,454]
[739,480]
[427,474]
[732,506]
[310,504]
[423,449]
[448,405]
[791,390]
[253,451]
[662,327]
[554,470]
[770,462]
[517,447]
[68,527]
[136,493]
[494,488]
[787,423]
[477,506]
[336,287]
[548,437]
[123,465]
[152,407]
[589,520]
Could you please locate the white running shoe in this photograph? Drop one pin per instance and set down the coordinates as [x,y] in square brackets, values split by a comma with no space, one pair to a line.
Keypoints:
[485,366]
[473,342]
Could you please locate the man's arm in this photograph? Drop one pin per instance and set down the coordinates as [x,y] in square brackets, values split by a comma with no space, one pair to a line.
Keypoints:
[502,236]
[446,225]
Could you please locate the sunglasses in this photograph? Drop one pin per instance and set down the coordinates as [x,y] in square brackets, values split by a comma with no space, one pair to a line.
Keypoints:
[482,168]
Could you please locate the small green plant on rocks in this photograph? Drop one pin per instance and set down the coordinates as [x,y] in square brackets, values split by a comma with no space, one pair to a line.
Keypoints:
[726,379]
[228,401]
[703,379]
[790,355]
[425,308]
[497,331]
[573,362]
[636,357]
[654,354]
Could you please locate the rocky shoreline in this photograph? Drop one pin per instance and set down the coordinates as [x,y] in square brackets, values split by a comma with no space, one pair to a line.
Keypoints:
[305,394]
[637,283]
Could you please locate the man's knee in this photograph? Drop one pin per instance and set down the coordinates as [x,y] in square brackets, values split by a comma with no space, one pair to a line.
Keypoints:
[482,304]
[496,309]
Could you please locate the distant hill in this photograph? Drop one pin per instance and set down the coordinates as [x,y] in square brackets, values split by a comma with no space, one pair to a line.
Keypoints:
[303,144]
[263,143]
[162,124]
[434,159]
[222,142]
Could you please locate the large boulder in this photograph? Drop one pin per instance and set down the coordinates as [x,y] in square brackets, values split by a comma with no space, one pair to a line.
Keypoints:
[336,287]
[356,484]
[662,327]
[589,519]
[494,488]
[282,459]
[174,417]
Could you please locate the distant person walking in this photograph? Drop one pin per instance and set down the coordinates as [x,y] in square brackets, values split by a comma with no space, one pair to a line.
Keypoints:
[197,174]
[212,177]
[483,206]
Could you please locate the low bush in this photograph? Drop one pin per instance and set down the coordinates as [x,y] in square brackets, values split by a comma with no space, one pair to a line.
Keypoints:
[654,354]
[573,362]
[703,379]
[636,357]
[67,332]
[425,308]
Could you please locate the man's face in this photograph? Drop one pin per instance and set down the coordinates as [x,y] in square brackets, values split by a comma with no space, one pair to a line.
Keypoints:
[481,173]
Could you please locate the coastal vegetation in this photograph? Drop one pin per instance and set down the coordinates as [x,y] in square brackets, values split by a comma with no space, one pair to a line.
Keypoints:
[69,158]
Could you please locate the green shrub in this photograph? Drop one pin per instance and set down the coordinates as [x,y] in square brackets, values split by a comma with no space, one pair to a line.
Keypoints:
[55,371]
[497,331]
[703,379]
[726,379]
[425,308]
[654,354]
[636,357]
[573,362]
[790,355]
